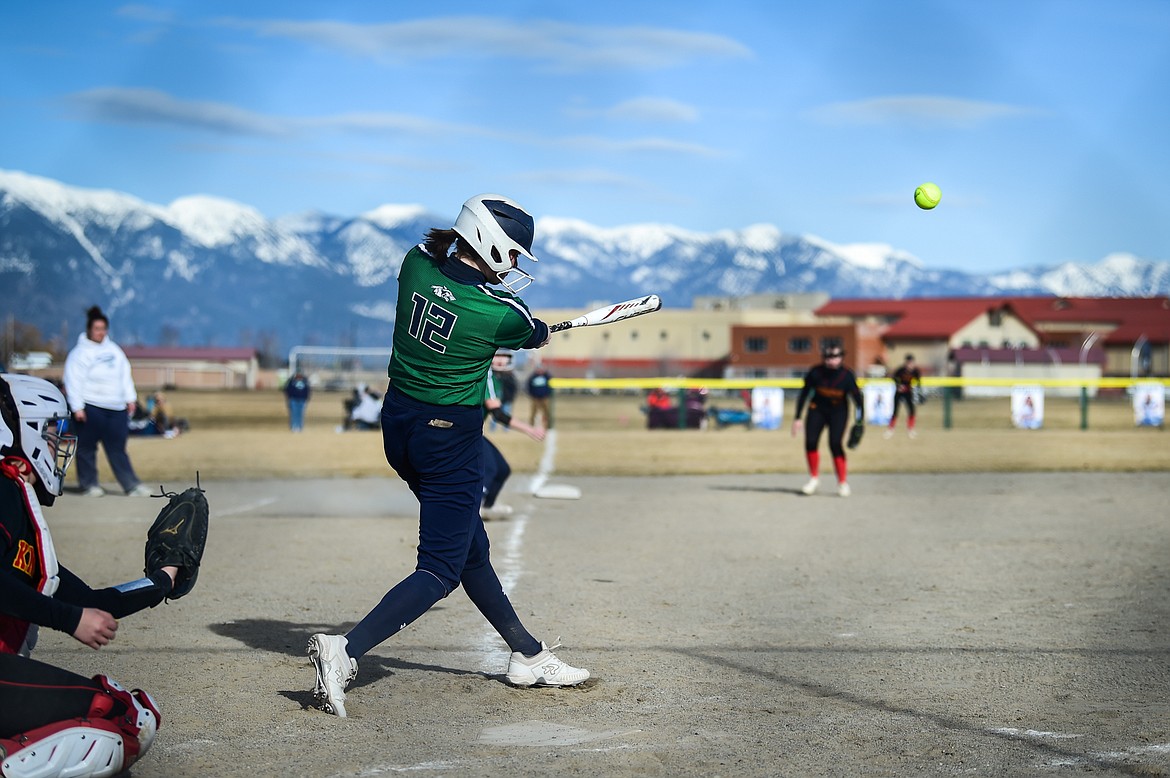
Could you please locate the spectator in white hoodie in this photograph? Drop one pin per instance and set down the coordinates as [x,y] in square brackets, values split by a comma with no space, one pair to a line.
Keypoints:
[102,398]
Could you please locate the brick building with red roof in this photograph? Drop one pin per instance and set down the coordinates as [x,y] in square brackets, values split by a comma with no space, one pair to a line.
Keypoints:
[1120,336]
[1132,335]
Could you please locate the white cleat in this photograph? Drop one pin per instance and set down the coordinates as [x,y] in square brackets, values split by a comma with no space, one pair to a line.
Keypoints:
[913,434]
[335,670]
[95,491]
[843,489]
[889,433]
[811,486]
[544,669]
[496,512]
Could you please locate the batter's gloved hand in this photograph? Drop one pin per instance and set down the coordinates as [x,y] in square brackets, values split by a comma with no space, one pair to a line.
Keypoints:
[177,538]
[855,435]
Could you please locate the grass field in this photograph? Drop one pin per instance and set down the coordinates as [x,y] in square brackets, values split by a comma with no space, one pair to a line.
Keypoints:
[245,435]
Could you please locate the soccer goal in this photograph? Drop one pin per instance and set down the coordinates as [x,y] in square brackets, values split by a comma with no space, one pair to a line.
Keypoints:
[340,368]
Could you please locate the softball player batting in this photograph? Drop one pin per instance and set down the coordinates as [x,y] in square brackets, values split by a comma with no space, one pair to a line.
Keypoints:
[450,322]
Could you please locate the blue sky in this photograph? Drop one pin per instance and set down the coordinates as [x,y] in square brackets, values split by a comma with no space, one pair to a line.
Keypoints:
[1046,124]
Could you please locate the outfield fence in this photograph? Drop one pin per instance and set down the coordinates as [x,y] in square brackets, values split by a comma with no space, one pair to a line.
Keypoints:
[950,390]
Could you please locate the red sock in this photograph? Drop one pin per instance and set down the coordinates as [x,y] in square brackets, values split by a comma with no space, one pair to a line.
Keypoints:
[910,423]
[814,462]
[839,467]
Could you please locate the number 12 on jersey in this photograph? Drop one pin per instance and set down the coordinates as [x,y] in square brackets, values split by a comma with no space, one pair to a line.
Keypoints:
[430,323]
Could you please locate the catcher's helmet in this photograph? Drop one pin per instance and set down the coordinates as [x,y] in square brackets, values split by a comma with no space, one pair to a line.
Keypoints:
[40,431]
[494,227]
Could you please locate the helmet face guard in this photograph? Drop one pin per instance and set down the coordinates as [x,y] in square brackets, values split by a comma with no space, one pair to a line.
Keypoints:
[42,435]
[500,232]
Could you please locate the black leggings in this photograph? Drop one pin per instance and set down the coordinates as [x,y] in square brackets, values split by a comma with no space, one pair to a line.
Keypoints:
[33,694]
[495,473]
[903,397]
[834,419]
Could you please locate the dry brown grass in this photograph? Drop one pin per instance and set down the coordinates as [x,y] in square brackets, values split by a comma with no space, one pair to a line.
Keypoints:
[245,435]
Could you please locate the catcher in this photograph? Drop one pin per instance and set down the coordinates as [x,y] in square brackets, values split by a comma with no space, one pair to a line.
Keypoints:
[54,722]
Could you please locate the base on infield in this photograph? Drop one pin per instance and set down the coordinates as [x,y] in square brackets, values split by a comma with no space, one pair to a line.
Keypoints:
[558,492]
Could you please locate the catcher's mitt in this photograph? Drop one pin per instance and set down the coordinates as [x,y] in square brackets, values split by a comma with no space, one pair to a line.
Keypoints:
[855,435]
[177,537]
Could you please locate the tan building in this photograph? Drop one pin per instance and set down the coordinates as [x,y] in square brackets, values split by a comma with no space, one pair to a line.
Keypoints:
[163,367]
[671,342]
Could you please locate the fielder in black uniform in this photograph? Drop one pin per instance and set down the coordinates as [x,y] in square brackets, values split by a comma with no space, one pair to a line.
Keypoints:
[827,389]
[450,323]
[54,722]
[907,380]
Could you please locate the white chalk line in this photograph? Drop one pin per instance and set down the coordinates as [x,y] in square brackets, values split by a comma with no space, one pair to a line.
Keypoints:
[510,566]
[545,468]
[1153,749]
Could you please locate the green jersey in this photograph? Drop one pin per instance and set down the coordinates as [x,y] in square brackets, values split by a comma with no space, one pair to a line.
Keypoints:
[447,331]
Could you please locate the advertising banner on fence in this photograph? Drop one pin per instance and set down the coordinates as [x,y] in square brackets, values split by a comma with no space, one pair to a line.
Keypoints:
[767,407]
[1149,404]
[879,402]
[1028,407]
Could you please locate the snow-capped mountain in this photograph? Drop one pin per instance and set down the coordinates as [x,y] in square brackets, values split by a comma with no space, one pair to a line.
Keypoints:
[208,271]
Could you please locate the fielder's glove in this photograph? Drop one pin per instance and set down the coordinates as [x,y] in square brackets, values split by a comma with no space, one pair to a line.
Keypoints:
[177,537]
[855,435]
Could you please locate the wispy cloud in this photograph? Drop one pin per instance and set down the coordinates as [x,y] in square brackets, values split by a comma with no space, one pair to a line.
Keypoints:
[638,145]
[918,110]
[613,183]
[152,107]
[558,45]
[643,109]
[585,177]
[146,13]
[357,158]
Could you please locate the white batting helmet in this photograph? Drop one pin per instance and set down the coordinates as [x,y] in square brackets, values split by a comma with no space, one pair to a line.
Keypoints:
[494,227]
[40,433]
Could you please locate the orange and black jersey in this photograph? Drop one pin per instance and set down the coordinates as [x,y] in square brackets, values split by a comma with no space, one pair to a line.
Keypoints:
[827,390]
[905,378]
[28,562]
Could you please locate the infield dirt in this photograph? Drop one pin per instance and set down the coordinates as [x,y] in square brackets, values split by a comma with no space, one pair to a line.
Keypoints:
[966,611]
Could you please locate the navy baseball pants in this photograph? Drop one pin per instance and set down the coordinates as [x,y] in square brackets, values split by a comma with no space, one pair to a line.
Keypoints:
[438,451]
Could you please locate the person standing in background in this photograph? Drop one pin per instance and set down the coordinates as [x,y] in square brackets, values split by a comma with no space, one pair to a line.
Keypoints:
[506,381]
[496,469]
[296,392]
[907,383]
[539,393]
[102,398]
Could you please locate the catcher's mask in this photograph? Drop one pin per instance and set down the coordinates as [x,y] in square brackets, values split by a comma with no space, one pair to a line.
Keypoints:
[40,433]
